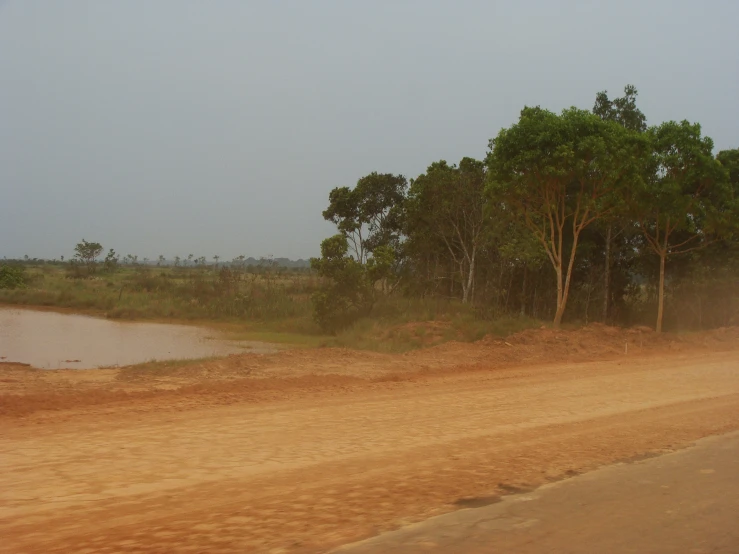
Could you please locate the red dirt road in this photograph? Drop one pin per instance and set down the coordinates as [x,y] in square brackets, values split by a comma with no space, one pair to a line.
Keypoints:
[316,464]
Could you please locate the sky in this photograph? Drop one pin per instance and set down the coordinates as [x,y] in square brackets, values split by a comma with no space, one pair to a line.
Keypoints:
[181,126]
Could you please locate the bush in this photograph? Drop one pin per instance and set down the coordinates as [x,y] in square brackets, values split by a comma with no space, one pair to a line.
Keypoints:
[12,277]
[347,292]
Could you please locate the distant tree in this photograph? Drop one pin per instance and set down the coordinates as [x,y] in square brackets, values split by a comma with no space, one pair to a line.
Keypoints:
[161,260]
[216,258]
[87,253]
[239,261]
[177,261]
[111,261]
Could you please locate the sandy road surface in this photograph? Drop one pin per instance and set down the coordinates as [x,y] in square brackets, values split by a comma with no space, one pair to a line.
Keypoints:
[681,502]
[333,465]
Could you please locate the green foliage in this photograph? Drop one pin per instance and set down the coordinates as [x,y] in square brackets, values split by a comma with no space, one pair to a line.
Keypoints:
[621,110]
[729,160]
[348,291]
[561,173]
[685,202]
[86,253]
[579,192]
[447,212]
[369,215]
[111,261]
[12,277]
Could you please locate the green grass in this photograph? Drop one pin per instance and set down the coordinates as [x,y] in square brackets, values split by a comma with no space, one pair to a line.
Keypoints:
[400,325]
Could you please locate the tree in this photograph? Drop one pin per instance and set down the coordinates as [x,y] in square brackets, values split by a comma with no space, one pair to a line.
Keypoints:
[624,112]
[161,260]
[561,173]
[729,159]
[621,110]
[347,293]
[87,253]
[370,215]
[685,202]
[111,261]
[449,202]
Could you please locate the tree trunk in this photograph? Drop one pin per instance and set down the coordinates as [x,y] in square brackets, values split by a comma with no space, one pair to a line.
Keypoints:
[465,286]
[560,304]
[523,291]
[471,276]
[607,277]
[508,294]
[563,291]
[661,301]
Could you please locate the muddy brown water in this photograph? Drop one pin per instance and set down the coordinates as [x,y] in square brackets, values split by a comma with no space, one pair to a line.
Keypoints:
[52,340]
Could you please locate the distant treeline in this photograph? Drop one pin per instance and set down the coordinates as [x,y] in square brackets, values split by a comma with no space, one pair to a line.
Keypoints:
[162,261]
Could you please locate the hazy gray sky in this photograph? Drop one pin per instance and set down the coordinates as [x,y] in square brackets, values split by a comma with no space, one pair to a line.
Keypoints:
[182,126]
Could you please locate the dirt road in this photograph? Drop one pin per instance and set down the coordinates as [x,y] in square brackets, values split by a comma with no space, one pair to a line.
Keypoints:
[331,462]
[684,501]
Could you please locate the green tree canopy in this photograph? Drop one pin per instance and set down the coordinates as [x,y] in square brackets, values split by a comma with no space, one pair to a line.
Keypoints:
[448,202]
[87,253]
[370,214]
[560,173]
[685,202]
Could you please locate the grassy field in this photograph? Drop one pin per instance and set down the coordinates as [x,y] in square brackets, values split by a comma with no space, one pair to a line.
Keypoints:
[270,305]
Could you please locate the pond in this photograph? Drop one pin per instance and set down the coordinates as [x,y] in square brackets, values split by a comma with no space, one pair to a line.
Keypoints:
[51,340]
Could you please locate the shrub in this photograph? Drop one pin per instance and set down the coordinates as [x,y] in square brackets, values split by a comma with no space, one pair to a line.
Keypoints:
[12,277]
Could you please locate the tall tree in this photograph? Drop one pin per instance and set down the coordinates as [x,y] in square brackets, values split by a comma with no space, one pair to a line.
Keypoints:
[449,202]
[624,112]
[561,173]
[370,214]
[685,203]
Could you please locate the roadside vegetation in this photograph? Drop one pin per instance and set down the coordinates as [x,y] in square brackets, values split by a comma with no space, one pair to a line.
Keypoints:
[578,216]
[572,218]
[262,302]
